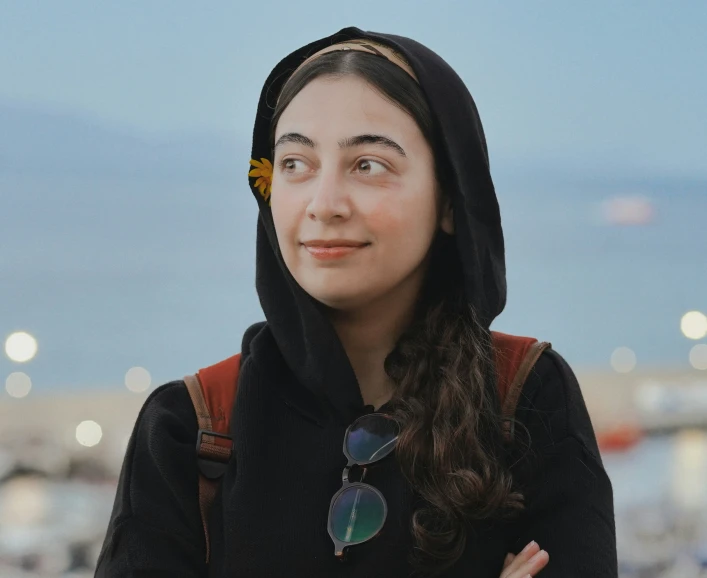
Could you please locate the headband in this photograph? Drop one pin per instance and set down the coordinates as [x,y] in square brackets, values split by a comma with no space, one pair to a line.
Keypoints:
[366,46]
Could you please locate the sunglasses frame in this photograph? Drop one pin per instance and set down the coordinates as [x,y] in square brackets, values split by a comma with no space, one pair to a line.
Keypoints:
[339,546]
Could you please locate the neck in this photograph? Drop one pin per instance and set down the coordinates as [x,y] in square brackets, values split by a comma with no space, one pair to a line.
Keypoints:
[368,335]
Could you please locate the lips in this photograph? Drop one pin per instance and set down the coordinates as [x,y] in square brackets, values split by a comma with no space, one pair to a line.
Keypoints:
[328,249]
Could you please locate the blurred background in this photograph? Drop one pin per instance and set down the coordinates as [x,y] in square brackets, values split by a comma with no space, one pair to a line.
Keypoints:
[127,231]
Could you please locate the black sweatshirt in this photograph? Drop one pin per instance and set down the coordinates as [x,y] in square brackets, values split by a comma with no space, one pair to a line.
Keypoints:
[270,520]
[297,394]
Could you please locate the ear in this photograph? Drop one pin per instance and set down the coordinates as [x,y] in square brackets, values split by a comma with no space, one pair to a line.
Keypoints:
[446,221]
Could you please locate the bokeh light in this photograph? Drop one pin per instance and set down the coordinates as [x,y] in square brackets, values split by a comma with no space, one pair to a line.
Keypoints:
[623,360]
[18,384]
[88,433]
[698,356]
[26,502]
[138,379]
[20,347]
[694,325]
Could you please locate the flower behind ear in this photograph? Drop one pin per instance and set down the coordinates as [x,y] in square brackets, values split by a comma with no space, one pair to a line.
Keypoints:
[263,173]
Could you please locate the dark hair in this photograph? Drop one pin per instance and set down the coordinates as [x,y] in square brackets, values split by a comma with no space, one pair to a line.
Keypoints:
[450,447]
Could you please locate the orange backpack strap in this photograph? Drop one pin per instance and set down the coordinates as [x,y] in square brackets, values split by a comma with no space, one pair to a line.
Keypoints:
[515,358]
[213,391]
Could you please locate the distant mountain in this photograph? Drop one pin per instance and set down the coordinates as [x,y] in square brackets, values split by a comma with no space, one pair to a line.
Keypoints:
[44,142]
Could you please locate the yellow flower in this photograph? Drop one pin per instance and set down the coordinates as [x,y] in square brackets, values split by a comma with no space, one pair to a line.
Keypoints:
[263,172]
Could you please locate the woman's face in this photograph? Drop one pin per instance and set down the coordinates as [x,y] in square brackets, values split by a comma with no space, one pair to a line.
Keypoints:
[354,196]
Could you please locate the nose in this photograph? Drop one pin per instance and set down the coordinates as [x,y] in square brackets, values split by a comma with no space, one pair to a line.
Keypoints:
[330,201]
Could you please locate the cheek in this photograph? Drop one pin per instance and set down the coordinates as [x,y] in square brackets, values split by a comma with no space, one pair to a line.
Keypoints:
[403,221]
[286,215]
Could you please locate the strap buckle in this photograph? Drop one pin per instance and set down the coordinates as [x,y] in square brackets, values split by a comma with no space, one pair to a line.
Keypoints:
[212,465]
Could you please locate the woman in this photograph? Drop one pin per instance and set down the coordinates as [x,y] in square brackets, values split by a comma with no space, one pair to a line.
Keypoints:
[380,267]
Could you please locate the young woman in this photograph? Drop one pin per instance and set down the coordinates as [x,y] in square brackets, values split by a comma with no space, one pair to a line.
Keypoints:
[380,267]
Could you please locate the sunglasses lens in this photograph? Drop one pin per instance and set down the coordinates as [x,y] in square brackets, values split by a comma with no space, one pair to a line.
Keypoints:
[371,438]
[357,514]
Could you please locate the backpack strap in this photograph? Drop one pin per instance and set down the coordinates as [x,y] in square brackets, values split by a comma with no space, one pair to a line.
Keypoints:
[212,391]
[515,358]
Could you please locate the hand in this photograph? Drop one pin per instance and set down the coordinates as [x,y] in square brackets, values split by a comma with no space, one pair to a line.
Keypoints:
[526,564]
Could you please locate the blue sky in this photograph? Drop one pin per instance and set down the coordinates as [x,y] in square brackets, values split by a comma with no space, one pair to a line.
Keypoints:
[618,84]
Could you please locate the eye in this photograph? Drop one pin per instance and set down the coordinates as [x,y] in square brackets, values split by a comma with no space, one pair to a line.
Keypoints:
[292,166]
[370,167]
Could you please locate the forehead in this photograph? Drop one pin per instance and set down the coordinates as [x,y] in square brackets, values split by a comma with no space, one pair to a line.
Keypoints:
[335,104]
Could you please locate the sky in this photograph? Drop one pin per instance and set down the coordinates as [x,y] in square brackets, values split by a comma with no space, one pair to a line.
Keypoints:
[618,84]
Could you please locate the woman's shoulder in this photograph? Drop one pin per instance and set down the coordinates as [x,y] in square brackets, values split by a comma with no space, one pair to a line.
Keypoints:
[166,417]
[552,406]
[161,447]
[168,411]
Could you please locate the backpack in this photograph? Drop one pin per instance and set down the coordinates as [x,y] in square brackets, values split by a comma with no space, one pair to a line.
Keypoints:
[213,391]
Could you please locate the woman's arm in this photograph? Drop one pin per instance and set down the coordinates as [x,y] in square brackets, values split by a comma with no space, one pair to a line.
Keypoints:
[568,495]
[155,528]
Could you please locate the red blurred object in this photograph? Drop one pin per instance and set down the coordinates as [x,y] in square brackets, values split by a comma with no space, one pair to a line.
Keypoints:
[619,438]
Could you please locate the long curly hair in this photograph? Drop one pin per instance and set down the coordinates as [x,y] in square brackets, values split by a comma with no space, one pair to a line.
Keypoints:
[450,447]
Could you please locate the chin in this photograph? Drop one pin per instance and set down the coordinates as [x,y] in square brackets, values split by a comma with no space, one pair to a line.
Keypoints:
[340,302]
[343,299]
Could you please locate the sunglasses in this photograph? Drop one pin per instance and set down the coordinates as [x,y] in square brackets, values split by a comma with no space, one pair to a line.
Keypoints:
[358,511]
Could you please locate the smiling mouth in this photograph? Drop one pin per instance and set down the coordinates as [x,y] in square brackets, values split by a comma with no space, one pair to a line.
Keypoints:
[333,249]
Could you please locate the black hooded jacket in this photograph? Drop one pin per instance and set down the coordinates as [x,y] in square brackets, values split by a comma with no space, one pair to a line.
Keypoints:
[297,394]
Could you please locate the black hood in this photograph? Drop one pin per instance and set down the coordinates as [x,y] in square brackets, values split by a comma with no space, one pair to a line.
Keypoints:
[306,339]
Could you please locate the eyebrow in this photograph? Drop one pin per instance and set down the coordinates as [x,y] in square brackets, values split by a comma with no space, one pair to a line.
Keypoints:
[349,142]
[295,137]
